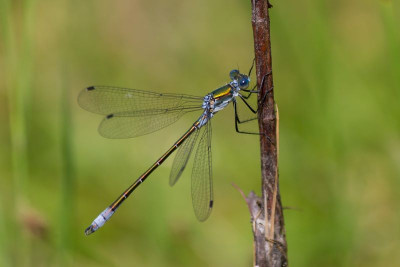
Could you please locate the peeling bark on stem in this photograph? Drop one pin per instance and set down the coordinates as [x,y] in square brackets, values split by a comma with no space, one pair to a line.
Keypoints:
[267,213]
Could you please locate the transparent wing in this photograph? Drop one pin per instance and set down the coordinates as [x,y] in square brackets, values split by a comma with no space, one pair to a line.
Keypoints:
[109,100]
[121,125]
[132,113]
[202,192]
[182,158]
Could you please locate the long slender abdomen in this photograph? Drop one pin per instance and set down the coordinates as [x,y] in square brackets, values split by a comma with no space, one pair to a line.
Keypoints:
[109,211]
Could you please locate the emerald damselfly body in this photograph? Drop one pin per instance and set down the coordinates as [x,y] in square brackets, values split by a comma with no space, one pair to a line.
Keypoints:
[131,113]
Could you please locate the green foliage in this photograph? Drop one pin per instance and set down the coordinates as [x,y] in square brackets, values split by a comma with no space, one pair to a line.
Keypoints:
[336,73]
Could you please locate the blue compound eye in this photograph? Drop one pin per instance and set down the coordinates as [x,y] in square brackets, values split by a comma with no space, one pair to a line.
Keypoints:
[244,83]
[234,74]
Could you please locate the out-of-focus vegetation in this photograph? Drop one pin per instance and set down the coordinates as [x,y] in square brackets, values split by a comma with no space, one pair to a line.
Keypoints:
[337,82]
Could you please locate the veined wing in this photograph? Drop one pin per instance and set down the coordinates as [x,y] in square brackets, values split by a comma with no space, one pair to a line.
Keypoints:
[124,125]
[107,100]
[182,157]
[202,187]
[132,113]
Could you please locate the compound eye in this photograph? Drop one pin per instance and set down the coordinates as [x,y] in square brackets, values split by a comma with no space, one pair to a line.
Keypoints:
[244,83]
[234,74]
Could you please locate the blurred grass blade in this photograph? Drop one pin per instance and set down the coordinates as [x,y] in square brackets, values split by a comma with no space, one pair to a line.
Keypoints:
[67,177]
[4,259]
[17,80]
[7,40]
[392,36]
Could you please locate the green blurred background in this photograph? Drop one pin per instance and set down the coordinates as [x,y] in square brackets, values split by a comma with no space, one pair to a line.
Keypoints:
[337,82]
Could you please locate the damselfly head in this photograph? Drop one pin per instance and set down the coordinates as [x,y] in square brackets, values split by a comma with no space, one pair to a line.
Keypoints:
[241,80]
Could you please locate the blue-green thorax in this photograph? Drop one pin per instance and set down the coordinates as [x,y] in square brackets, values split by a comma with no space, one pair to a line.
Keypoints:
[221,97]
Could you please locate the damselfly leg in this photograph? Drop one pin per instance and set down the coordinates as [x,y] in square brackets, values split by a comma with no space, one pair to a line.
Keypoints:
[244,98]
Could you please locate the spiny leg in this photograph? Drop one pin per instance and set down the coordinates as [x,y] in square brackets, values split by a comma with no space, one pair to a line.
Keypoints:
[243,98]
[250,92]
[254,111]
[238,121]
[252,65]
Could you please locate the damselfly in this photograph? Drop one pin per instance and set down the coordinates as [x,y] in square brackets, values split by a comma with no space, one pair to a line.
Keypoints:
[132,113]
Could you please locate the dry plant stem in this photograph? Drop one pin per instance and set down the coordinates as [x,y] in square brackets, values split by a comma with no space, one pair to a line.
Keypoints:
[271,230]
[267,213]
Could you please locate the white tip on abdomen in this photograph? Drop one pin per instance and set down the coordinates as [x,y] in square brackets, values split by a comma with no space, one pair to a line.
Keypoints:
[99,221]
